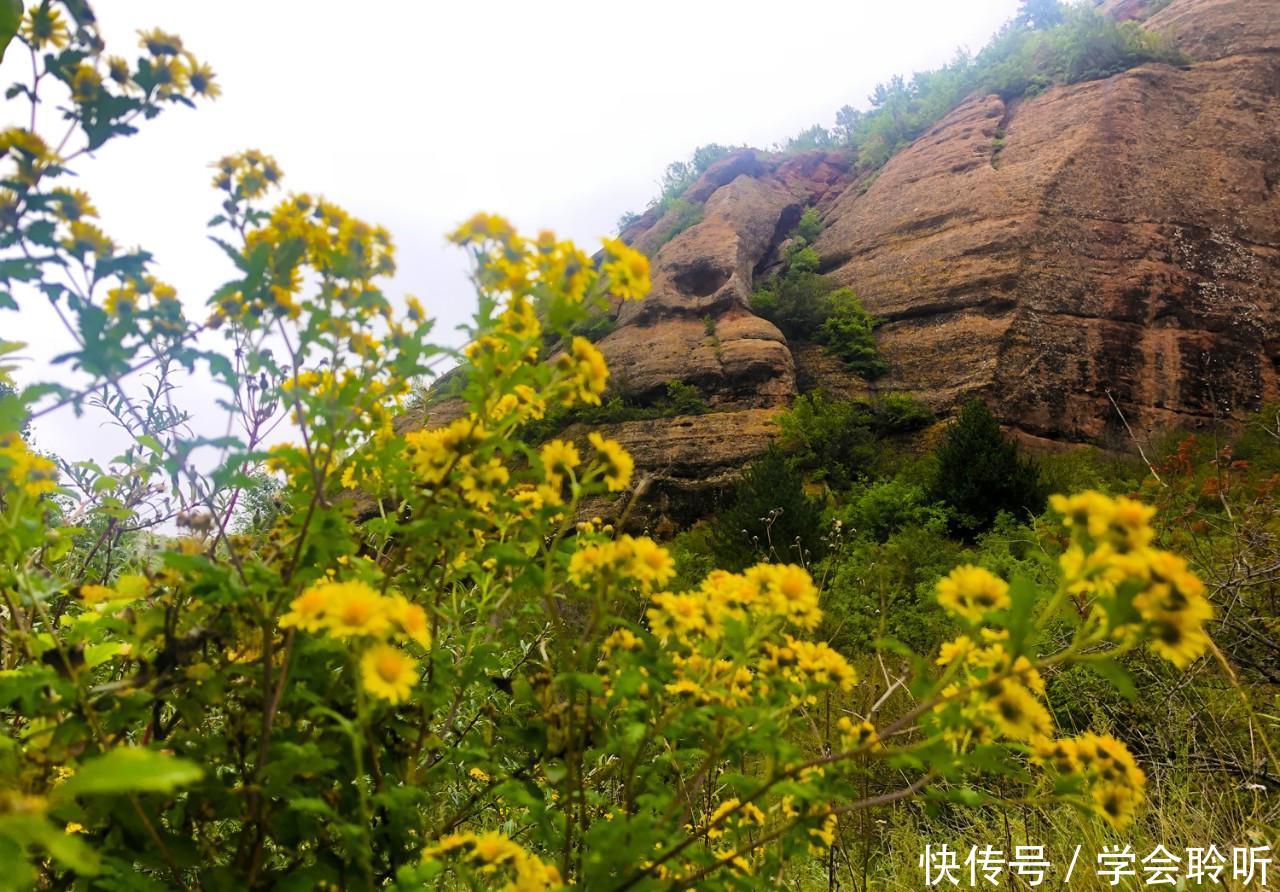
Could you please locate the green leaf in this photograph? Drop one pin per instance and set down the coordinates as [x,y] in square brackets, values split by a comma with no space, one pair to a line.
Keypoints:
[131,770]
[1119,677]
[10,16]
[28,831]
[1022,596]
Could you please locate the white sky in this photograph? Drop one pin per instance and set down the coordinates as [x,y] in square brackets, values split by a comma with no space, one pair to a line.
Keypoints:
[417,114]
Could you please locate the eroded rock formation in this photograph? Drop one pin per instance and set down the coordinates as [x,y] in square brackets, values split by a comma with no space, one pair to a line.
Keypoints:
[1112,240]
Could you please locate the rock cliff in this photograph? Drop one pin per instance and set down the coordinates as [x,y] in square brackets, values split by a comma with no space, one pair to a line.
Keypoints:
[1107,244]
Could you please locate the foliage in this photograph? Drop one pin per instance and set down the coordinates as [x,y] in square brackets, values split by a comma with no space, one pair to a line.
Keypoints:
[848,332]
[980,473]
[677,216]
[808,306]
[885,589]
[680,175]
[838,441]
[676,179]
[678,398]
[768,517]
[1040,14]
[815,137]
[425,670]
[627,219]
[879,509]
[1046,43]
[809,226]
[260,502]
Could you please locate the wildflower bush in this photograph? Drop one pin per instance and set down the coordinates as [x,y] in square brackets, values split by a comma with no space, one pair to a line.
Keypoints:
[423,667]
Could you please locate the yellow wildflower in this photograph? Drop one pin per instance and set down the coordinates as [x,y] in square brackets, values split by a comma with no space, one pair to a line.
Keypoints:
[972,592]
[354,609]
[954,650]
[650,562]
[627,270]
[43,26]
[1017,712]
[618,462]
[410,620]
[201,79]
[306,612]
[160,43]
[558,459]
[388,673]
[586,371]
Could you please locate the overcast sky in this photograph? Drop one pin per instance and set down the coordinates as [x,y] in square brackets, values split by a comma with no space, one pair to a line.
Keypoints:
[559,115]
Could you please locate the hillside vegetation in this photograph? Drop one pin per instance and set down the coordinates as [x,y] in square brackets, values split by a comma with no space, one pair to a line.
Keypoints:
[1048,42]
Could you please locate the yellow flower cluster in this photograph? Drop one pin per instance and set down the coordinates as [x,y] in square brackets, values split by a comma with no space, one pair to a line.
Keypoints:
[857,735]
[304,232]
[26,471]
[1130,586]
[638,558]
[436,452]
[493,852]
[159,299]
[585,368]
[354,610]
[248,175]
[808,663]
[509,262]
[997,692]
[739,815]
[972,592]
[714,680]
[627,270]
[617,462]
[535,280]
[28,152]
[785,591]
[1116,783]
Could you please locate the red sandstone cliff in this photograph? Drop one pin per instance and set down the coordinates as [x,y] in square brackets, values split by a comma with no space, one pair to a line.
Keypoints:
[1120,241]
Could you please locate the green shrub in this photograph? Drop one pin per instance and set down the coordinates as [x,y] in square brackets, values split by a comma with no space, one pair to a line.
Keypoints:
[692,551]
[807,306]
[679,215]
[596,327]
[683,399]
[768,517]
[678,399]
[1046,43]
[1089,468]
[901,412]
[876,511]
[815,137]
[809,226]
[625,219]
[837,441]
[849,332]
[679,176]
[886,590]
[1088,46]
[980,473]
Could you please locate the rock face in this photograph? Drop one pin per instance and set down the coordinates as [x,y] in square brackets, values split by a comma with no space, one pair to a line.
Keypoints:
[1121,242]
[1113,243]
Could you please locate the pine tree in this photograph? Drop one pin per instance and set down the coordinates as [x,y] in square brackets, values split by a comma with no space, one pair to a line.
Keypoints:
[769,517]
[980,473]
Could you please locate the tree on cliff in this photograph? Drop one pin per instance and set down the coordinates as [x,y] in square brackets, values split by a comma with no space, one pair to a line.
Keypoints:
[980,473]
[1040,14]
